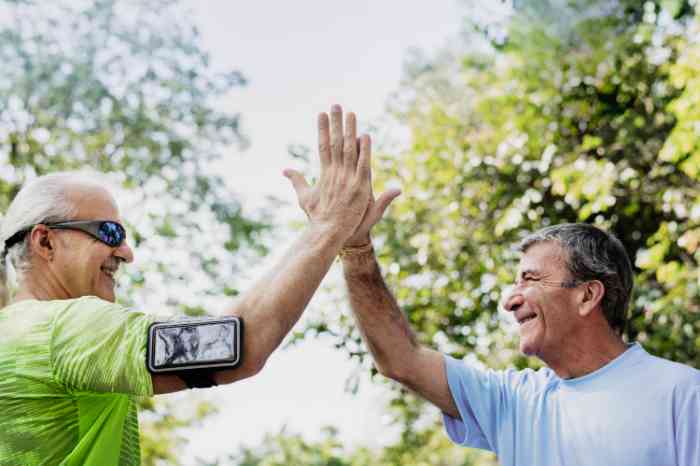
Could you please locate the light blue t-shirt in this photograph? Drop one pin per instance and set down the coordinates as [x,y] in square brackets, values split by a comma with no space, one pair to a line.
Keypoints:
[638,410]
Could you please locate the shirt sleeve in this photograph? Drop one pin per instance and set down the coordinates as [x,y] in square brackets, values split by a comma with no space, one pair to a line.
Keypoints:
[483,398]
[99,346]
[688,430]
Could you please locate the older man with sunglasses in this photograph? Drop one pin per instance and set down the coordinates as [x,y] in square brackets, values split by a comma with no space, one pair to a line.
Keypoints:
[71,360]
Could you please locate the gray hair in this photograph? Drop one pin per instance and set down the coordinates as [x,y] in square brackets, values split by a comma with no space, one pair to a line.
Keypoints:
[593,254]
[44,199]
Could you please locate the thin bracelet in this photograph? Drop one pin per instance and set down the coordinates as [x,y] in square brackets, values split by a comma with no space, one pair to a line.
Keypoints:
[356,250]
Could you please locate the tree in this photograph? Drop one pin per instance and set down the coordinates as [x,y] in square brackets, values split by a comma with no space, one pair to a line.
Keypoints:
[124,87]
[285,449]
[555,112]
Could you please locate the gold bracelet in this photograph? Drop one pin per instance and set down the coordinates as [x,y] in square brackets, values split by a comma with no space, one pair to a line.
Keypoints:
[355,250]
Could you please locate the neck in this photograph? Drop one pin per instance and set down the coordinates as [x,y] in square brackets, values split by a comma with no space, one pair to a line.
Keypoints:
[42,288]
[585,354]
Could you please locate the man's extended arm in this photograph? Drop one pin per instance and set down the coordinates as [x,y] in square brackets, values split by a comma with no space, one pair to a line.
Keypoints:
[335,206]
[389,336]
[272,307]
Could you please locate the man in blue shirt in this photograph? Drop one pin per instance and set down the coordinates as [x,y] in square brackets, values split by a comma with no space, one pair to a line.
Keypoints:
[598,402]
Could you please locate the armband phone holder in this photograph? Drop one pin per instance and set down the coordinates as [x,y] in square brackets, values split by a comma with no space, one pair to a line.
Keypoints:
[194,349]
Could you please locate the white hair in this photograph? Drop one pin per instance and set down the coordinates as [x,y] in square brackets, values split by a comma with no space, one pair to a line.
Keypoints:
[42,200]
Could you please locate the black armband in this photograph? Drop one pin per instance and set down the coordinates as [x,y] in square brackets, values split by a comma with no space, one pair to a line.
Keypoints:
[194,349]
[198,378]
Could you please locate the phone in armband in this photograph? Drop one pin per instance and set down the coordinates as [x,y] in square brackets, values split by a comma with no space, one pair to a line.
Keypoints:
[208,344]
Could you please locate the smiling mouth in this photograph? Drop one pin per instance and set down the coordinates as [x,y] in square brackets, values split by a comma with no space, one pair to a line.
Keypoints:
[109,272]
[527,319]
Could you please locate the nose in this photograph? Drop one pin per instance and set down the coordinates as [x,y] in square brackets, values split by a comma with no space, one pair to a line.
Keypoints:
[125,253]
[513,300]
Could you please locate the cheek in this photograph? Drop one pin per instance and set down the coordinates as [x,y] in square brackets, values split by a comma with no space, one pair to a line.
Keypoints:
[542,305]
[558,316]
[534,300]
[92,268]
[74,267]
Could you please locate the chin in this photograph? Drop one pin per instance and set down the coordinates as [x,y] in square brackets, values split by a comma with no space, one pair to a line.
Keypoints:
[526,350]
[107,295]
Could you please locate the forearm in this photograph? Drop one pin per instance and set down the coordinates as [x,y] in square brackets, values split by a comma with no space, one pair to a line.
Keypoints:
[388,334]
[275,303]
[383,325]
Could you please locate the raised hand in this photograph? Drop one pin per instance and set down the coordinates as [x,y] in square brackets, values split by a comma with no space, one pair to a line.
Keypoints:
[375,211]
[343,193]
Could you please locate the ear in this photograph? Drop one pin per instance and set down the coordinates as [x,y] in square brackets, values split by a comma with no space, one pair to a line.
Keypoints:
[592,297]
[42,242]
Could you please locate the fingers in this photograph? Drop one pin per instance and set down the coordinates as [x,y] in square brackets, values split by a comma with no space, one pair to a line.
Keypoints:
[376,211]
[349,147]
[385,199]
[381,204]
[364,162]
[340,146]
[324,141]
[298,182]
[337,133]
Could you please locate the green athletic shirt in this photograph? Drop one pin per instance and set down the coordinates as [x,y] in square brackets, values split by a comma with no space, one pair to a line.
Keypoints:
[69,374]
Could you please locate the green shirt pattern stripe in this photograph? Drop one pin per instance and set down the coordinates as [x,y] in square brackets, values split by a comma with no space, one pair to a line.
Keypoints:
[70,372]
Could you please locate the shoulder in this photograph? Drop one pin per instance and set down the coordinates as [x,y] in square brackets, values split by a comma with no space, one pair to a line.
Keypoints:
[672,371]
[92,302]
[673,377]
[516,380]
[96,316]
[32,313]
[90,307]
[532,381]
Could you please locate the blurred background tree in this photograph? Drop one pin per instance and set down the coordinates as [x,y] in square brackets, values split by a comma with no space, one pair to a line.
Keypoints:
[124,88]
[286,449]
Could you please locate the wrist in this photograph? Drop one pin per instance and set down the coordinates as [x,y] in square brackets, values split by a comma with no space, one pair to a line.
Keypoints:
[357,241]
[358,260]
[329,233]
[361,250]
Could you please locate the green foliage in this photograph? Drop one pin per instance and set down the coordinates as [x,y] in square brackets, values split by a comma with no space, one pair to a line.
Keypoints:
[553,127]
[160,424]
[123,87]
[283,449]
[286,449]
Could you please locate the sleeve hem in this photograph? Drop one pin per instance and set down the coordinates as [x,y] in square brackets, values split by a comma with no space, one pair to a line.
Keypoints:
[456,429]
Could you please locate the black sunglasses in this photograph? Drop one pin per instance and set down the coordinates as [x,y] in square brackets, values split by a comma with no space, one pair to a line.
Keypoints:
[110,233]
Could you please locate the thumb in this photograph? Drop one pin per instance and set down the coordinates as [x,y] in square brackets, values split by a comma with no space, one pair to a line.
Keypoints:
[383,202]
[298,182]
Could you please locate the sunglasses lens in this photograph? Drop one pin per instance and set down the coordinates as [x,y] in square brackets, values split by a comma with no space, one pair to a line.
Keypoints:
[112,233]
